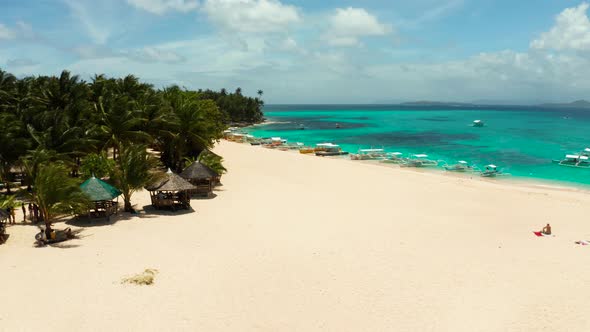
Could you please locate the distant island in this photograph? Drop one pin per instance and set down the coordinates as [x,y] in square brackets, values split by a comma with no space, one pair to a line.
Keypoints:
[574,104]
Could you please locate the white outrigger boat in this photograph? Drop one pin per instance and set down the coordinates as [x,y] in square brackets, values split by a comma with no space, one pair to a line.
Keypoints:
[478,123]
[419,160]
[492,171]
[368,154]
[575,160]
[329,149]
[460,166]
[393,158]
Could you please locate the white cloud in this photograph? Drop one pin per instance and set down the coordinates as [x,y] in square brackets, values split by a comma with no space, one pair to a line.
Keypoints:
[251,16]
[6,33]
[98,32]
[160,7]
[348,25]
[154,54]
[570,32]
[289,44]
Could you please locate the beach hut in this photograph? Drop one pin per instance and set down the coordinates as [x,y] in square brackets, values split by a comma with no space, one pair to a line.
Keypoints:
[103,196]
[202,177]
[170,191]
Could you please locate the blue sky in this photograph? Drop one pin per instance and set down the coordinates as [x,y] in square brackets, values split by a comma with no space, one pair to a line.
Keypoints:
[313,51]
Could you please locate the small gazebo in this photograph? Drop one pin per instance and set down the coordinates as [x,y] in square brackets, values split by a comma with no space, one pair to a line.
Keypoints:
[202,177]
[103,196]
[170,191]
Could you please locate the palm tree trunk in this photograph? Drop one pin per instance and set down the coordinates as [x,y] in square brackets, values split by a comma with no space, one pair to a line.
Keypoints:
[127,204]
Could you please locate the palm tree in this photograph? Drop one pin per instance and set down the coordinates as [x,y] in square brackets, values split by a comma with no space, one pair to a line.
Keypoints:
[13,144]
[212,161]
[260,93]
[120,123]
[56,194]
[133,172]
[197,124]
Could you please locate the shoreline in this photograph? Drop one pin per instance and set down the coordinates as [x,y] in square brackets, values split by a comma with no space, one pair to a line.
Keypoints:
[513,181]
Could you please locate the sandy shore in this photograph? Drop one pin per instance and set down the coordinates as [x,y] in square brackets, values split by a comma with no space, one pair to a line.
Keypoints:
[299,243]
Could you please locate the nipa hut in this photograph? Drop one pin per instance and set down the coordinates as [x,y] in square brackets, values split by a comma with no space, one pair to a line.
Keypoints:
[103,196]
[202,177]
[171,191]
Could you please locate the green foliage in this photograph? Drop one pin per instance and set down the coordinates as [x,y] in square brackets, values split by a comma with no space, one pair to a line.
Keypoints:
[236,107]
[56,193]
[97,164]
[7,201]
[212,161]
[85,126]
[133,172]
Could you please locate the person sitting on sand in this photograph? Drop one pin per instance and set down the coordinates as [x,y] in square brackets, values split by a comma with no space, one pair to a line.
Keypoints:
[546,230]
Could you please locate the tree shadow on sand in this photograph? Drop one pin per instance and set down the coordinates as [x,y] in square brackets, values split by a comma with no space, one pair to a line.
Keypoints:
[150,210]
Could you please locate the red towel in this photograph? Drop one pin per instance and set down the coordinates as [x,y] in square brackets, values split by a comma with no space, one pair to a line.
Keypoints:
[538,233]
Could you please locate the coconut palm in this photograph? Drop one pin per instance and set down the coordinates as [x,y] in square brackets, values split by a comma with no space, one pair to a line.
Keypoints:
[133,171]
[56,194]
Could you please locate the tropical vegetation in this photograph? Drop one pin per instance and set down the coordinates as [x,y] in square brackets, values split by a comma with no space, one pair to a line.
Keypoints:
[62,127]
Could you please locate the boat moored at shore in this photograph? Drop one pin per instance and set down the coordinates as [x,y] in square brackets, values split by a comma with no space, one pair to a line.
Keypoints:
[329,149]
[368,154]
[460,166]
[419,160]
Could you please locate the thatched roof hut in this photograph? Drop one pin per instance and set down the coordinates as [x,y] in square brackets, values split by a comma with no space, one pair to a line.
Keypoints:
[98,190]
[203,177]
[170,182]
[198,171]
[171,190]
[102,194]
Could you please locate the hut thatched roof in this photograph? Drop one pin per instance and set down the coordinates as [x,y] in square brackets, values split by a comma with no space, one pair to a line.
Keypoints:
[198,171]
[170,182]
[98,190]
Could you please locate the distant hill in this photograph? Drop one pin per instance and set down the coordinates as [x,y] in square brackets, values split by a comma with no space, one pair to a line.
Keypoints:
[575,104]
[437,103]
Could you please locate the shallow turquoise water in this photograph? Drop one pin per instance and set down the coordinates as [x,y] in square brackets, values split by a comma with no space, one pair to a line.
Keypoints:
[520,142]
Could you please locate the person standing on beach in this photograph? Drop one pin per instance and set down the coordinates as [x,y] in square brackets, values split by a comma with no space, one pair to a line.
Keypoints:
[24,212]
[13,214]
[35,213]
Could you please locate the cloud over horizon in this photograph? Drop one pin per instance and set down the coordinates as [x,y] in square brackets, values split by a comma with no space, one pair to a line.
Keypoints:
[298,53]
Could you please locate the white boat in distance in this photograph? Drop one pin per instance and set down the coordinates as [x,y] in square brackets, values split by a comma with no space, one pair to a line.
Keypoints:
[478,123]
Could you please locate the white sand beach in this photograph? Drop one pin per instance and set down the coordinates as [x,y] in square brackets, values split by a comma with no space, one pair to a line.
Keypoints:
[301,243]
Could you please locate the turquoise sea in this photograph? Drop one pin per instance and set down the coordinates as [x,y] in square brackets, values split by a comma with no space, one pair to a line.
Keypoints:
[522,142]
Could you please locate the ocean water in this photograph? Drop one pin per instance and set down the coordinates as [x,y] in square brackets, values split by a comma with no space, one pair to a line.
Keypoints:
[522,142]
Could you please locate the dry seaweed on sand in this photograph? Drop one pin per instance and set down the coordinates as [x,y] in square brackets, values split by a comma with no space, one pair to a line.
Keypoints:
[145,278]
